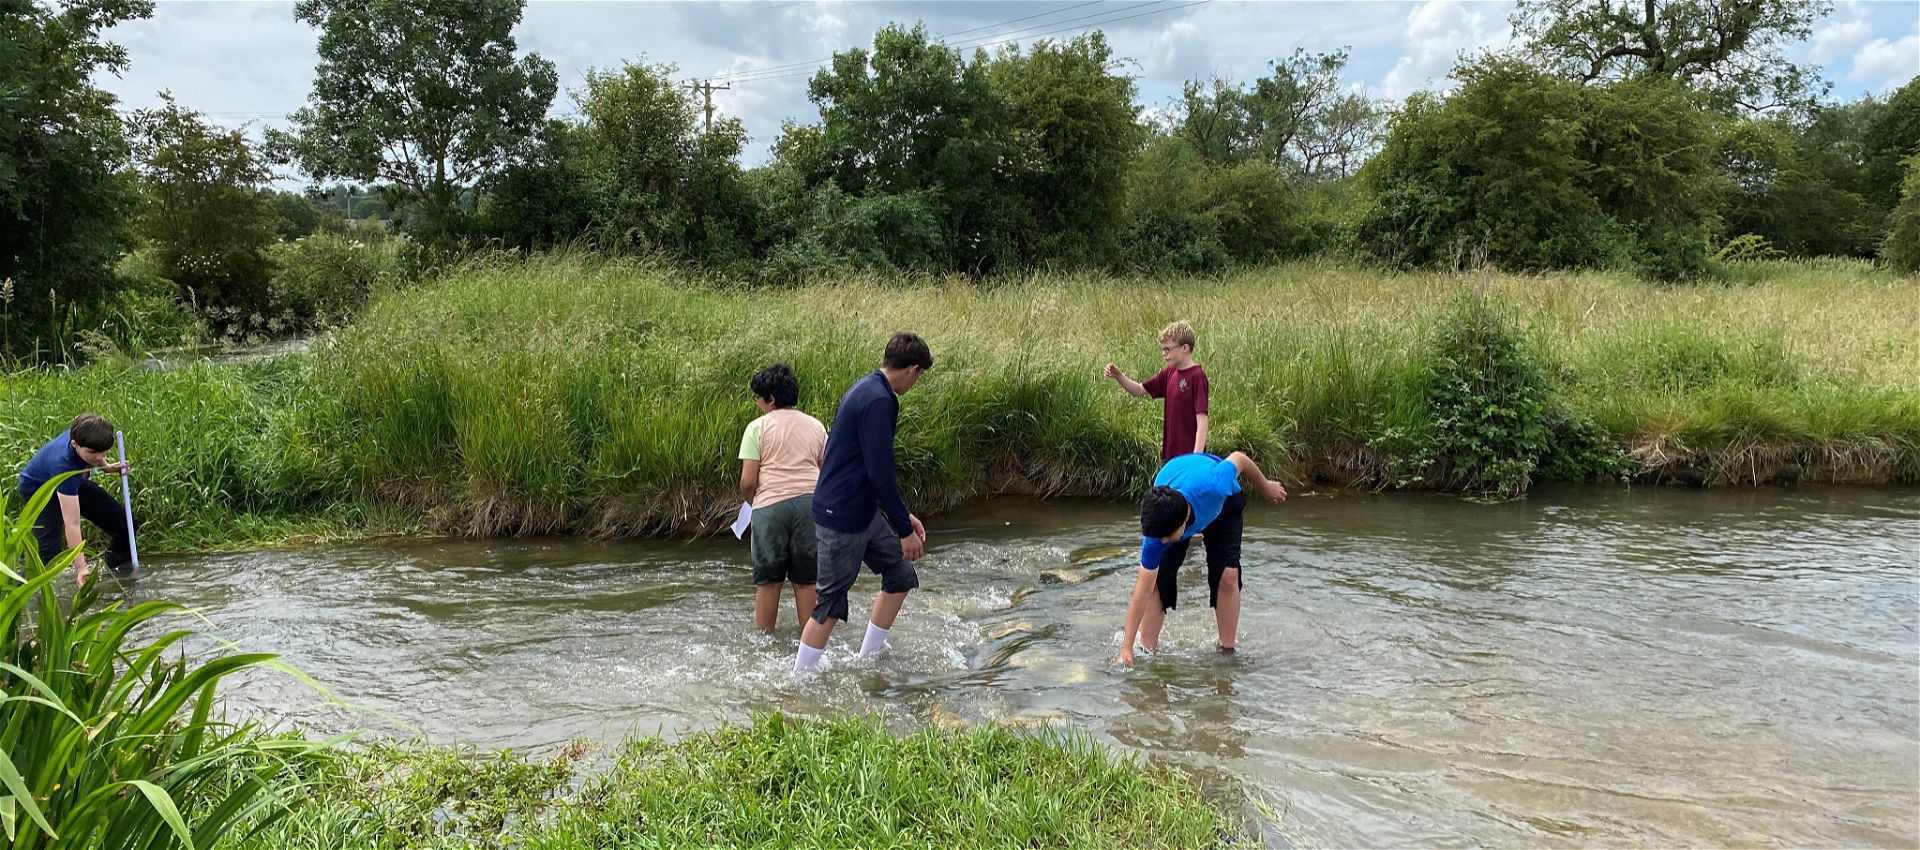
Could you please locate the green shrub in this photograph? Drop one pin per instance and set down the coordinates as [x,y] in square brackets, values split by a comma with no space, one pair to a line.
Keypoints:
[146,313]
[1489,403]
[1527,170]
[324,279]
[1901,249]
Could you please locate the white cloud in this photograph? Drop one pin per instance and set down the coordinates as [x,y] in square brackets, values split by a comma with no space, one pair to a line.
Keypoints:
[1882,64]
[1437,32]
[1839,33]
[1179,52]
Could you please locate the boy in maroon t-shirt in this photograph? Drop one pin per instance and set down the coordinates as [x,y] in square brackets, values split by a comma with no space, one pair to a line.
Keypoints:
[1183,384]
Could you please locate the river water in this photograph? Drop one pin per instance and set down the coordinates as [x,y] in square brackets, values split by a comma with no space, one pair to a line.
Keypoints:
[1584,667]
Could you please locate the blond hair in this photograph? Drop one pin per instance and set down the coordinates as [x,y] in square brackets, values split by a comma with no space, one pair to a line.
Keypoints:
[1178,333]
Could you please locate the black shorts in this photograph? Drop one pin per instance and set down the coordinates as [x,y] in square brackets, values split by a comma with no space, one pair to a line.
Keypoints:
[1222,540]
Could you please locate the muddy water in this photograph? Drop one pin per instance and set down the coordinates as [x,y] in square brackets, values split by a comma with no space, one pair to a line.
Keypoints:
[1584,667]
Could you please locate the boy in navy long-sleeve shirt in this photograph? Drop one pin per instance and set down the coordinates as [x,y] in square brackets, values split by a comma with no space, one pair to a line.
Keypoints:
[858,512]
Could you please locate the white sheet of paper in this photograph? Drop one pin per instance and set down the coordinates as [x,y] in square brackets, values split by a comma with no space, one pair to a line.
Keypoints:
[745,518]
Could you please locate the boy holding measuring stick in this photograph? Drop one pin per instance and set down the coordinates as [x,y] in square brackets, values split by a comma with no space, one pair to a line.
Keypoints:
[82,447]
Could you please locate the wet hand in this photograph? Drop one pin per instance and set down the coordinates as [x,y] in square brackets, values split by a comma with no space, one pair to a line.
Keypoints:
[913,546]
[1274,492]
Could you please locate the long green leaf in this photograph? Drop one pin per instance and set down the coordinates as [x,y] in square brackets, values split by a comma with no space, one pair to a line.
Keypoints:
[10,776]
[53,699]
[162,802]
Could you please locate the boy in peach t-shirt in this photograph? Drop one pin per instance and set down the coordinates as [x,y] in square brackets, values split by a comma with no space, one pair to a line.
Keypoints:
[779,463]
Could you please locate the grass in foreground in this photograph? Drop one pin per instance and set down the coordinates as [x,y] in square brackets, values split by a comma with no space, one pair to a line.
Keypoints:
[779,782]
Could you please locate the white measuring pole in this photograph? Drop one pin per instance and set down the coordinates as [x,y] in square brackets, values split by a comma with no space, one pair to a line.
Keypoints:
[126,499]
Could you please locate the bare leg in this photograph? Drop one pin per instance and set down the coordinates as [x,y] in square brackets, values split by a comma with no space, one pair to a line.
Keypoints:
[886,606]
[803,596]
[766,606]
[815,633]
[1226,610]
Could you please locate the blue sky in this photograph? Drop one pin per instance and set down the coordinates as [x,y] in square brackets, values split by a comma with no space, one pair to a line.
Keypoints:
[251,62]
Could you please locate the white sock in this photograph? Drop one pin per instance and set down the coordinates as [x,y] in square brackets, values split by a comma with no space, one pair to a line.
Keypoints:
[876,638]
[808,660]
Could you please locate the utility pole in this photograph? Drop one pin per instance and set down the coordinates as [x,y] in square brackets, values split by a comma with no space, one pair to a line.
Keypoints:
[707,86]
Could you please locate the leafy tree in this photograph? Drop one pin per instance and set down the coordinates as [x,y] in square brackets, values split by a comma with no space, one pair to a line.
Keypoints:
[1890,137]
[63,209]
[912,117]
[1529,170]
[1901,249]
[1732,50]
[1255,211]
[424,95]
[547,198]
[297,214]
[1168,226]
[1803,188]
[660,182]
[1077,134]
[203,211]
[1295,117]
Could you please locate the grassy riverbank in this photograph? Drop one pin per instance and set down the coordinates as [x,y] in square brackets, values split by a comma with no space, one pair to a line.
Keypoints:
[777,783]
[563,394]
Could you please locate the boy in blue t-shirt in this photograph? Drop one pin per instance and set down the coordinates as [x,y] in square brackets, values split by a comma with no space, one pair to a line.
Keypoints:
[83,446]
[1193,494]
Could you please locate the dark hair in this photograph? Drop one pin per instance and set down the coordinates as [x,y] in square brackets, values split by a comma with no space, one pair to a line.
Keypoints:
[907,349]
[1162,512]
[777,382]
[92,431]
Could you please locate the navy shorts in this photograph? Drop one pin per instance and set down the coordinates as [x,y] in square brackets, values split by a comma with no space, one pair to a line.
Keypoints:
[840,556]
[1222,540]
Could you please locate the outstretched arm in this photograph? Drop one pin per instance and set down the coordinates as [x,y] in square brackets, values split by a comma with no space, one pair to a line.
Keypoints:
[1133,387]
[1250,471]
[1146,592]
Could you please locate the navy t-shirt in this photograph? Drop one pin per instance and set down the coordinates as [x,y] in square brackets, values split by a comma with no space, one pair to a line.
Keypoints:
[1206,481]
[51,461]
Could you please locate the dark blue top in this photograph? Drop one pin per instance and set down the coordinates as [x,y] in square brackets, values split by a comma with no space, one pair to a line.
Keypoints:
[857,475]
[1206,481]
[52,460]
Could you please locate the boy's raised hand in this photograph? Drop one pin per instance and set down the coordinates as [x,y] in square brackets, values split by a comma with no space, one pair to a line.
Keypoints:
[1112,372]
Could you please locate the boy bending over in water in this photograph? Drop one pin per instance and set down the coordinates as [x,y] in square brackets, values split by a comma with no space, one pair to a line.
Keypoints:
[1193,494]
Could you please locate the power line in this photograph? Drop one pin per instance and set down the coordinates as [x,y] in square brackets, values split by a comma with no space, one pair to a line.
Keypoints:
[1017,20]
[965,43]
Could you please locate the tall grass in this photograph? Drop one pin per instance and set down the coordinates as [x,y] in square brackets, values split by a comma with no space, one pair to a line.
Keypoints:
[566,393]
[779,782]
